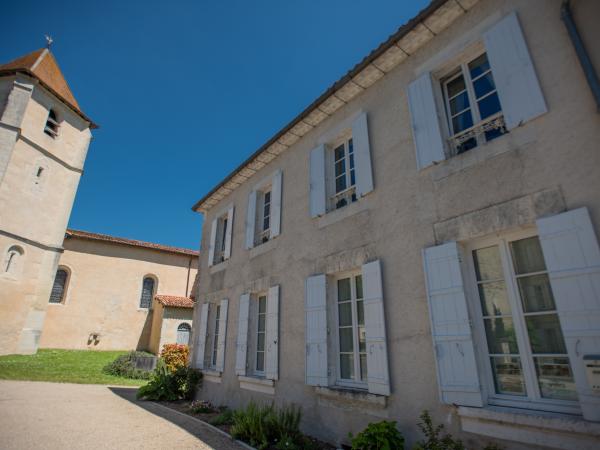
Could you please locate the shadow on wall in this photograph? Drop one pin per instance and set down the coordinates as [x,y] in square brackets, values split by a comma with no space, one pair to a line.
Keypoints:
[203,432]
[144,340]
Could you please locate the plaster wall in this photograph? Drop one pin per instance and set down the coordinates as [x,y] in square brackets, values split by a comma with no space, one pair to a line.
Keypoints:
[549,164]
[103,294]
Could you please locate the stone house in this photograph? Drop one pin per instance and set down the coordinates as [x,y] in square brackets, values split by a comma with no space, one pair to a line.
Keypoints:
[422,236]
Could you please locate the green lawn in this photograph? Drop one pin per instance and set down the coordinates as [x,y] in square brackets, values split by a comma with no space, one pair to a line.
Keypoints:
[63,366]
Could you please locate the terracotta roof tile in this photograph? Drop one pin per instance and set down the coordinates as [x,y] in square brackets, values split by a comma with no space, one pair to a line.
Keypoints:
[175,301]
[132,242]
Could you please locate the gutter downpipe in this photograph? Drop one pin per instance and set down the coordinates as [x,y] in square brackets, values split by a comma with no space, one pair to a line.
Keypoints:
[584,59]
[187,282]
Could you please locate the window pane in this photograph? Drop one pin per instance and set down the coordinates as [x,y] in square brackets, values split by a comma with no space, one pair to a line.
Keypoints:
[261,322]
[459,103]
[467,145]
[489,106]
[536,293]
[494,301]
[347,367]
[262,304]
[363,367]
[362,339]
[345,314]
[340,167]
[484,85]
[340,184]
[527,255]
[555,378]
[545,335]
[339,152]
[501,337]
[260,342]
[346,340]
[343,289]
[479,65]
[492,134]
[352,178]
[351,160]
[455,86]
[260,361]
[508,376]
[58,289]
[359,289]
[487,264]
[360,312]
[462,122]
[147,293]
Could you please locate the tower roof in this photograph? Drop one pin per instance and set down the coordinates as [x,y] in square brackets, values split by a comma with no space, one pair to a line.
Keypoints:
[42,65]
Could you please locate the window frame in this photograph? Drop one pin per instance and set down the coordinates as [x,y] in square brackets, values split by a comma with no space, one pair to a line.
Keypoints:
[349,192]
[333,292]
[256,332]
[154,291]
[12,262]
[221,238]
[263,235]
[532,400]
[215,335]
[52,125]
[188,329]
[65,288]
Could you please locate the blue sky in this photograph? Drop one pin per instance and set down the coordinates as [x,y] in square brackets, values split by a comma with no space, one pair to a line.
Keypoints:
[184,91]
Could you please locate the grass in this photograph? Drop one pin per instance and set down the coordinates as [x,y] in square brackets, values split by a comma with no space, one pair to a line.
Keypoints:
[63,366]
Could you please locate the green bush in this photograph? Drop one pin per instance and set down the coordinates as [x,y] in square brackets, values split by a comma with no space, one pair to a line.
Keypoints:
[170,386]
[378,436]
[433,440]
[124,366]
[225,418]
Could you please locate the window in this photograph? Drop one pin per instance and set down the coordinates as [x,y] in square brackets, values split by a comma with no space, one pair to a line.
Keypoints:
[263,219]
[12,261]
[221,238]
[52,125]
[59,288]
[352,359]
[147,292]
[212,331]
[260,334]
[183,334]
[472,105]
[526,350]
[215,337]
[344,175]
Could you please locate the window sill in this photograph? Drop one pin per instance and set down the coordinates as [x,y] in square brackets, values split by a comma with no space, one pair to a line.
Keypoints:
[260,249]
[257,384]
[337,215]
[211,375]
[351,398]
[218,267]
[530,427]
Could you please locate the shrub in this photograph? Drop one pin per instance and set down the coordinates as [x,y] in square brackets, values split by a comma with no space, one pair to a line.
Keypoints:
[124,366]
[202,407]
[225,418]
[433,440]
[175,356]
[170,386]
[378,436]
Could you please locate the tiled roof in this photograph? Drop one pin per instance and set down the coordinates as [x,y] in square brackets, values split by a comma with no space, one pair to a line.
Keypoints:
[42,65]
[132,242]
[175,301]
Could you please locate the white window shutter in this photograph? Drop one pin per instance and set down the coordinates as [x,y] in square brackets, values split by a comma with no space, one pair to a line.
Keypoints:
[362,155]
[317,181]
[228,233]
[315,307]
[458,377]
[518,87]
[211,245]
[572,258]
[425,122]
[250,220]
[242,337]
[276,204]
[202,336]
[378,377]
[219,366]
[272,335]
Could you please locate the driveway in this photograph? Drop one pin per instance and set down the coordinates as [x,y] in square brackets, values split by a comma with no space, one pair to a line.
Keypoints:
[75,416]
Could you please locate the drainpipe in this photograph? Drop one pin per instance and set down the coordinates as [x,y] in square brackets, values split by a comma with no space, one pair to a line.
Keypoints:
[187,282]
[584,59]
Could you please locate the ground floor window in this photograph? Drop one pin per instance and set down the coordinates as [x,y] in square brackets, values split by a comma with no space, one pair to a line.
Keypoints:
[183,334]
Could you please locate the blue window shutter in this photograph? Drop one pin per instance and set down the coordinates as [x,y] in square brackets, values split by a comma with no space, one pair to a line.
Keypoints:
[362,155]
[317,181]
[315,308]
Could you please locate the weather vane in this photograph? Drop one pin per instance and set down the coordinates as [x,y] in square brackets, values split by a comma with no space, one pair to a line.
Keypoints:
[49,41]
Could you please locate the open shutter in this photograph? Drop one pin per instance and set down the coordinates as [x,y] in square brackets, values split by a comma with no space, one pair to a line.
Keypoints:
[219,366]
[572,258]
[272,334]
[518,87]
[317,181]
[228,233]
[362,155]
[458,378]
[316,331]
[378,377]
[202,336]
[242,337]
[276,204]
[425,122]
[250,220]
[211,245]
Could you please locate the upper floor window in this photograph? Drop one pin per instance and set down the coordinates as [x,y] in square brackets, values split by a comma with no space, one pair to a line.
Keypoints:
[344,176]
[183,334]
[221,241]
[148,286]
[263,221]
[59,288]
[13,260]
[52,125]
[472,105]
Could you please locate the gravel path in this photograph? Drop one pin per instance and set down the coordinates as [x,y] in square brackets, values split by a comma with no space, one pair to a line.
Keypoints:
[35,415]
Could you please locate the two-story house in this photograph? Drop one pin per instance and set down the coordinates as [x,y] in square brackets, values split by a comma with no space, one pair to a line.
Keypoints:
[422,236]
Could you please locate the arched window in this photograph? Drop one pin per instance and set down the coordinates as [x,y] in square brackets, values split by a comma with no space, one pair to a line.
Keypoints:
[147,292]
[12,260]
[59,288]
[52,125]
[183,334]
